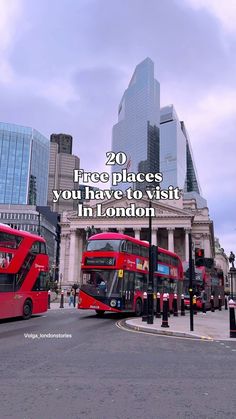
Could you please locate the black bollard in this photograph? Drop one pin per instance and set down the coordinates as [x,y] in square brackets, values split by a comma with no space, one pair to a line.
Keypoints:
[165,311]
[203,307]
[226,302]
[212,304]
[62,299]
[49,298]
[149,308]
[232,325]
[182,306]
[158,312]
[219,302]
[175,306]
[195,304]
[168,303]
[144,316]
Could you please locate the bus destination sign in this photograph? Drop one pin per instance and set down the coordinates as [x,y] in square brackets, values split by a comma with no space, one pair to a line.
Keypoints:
[100,261]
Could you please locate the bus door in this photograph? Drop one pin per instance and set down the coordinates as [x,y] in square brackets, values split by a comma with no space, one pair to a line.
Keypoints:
[40,292]
[128,290]
[7,296]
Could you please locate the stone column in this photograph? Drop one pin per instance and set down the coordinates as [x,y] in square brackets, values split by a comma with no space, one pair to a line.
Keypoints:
[187,231]
[72,257]
[79,257]
[207,245]
[120,230]
[137,233]
[62,258]
[154,236]
[170,239]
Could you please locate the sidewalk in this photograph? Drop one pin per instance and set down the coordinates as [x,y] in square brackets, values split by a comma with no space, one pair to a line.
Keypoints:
[209,326]
[56,306]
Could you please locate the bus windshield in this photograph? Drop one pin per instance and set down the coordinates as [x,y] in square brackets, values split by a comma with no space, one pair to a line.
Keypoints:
[101,282]
[103,245]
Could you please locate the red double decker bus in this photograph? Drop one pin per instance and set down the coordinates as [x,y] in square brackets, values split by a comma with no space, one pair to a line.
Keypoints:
[24,267]
[210,280]
[115,274]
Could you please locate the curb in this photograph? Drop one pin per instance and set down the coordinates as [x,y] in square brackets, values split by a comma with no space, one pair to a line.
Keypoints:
[144,329]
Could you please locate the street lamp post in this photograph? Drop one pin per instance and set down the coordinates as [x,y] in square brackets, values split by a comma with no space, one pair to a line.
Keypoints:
[150,274]
[61,276]
[232,273]
[191,268]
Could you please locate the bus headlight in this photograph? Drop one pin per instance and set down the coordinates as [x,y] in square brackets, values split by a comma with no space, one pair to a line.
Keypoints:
[113,303]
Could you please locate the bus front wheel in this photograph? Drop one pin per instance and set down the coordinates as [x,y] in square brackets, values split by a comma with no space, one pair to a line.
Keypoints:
[100,313]
[27,310]
[138,308]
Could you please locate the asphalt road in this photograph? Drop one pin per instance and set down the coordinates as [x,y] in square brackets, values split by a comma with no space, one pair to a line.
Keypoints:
[102,372]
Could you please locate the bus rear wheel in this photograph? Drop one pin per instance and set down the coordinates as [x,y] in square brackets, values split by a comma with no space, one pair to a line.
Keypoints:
[138,308]
[27,309]
[100,313]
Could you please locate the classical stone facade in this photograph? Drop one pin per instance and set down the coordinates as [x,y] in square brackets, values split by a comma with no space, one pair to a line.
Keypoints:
[173,222]
[222,262]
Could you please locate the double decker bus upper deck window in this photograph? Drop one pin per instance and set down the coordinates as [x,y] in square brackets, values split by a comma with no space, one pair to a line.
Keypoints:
[103,245]
[144,252]
[38,247]
[9,240]
[42,282]
[136,249]
[169,260]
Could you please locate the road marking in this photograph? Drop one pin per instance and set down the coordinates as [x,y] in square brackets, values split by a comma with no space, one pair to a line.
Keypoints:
[160,335]
[233,350]
[228,347]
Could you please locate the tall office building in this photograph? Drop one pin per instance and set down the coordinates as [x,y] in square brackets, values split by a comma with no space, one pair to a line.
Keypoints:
[176,157]
[191,181]
[137,130]
[64,142]
[61,167]
[173,155]
[24,158]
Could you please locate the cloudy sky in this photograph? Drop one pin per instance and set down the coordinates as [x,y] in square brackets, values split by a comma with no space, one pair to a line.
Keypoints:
[64,66]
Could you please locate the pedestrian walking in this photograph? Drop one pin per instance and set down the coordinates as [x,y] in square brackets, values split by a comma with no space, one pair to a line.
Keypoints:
[204,300]
[71,297]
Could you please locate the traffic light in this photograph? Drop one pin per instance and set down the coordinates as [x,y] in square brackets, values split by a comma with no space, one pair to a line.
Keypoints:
[199,253]
[199,257]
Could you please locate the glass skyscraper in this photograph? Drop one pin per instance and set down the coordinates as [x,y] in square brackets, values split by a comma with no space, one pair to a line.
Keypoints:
[24,160]
[176,157]
[137,130]
[172,149]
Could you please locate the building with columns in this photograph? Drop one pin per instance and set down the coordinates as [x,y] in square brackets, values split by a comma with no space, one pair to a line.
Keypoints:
[222,262]
[173,222]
